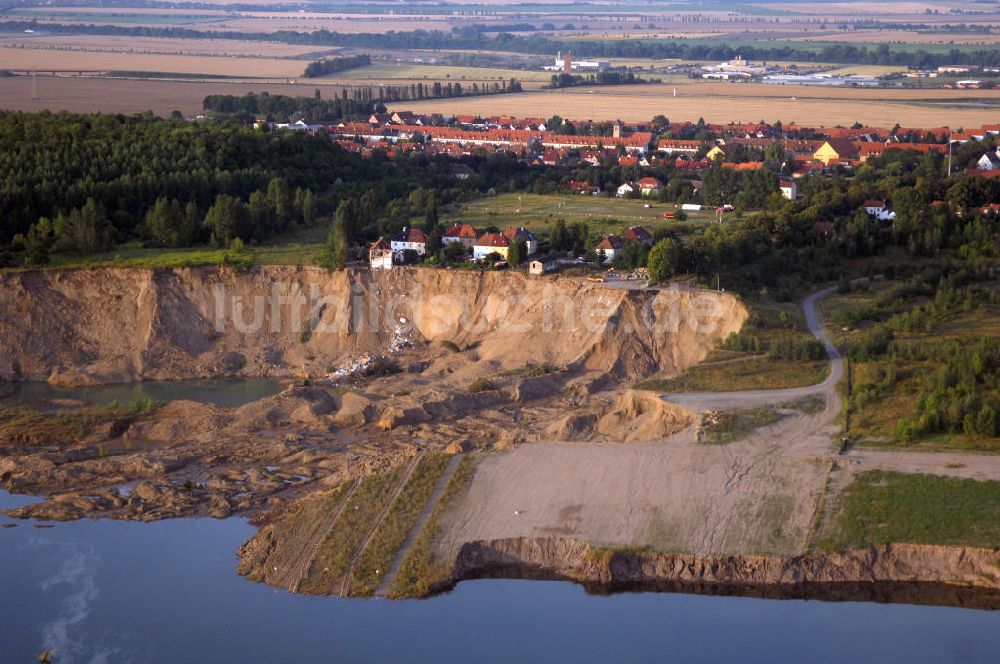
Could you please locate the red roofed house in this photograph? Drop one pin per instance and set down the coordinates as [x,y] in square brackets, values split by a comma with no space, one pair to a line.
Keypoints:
[789,189]
[490,243]
[609,246]
[463,233]
[639,234]
[649,186]
[513,234]
[410,238]
[879,209]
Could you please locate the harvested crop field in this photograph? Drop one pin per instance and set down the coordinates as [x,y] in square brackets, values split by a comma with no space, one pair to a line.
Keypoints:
[785,103]
[17,58]
[125,95]
[123,44]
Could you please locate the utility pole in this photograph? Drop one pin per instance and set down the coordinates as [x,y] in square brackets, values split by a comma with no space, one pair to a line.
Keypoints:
[34,84]
[949,156]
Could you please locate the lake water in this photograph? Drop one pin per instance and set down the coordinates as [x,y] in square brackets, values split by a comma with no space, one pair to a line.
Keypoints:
[104,591]
[228,393]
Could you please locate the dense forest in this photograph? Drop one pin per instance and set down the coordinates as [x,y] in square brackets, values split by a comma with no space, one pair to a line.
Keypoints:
[82,184]
[282,108]
[471,38]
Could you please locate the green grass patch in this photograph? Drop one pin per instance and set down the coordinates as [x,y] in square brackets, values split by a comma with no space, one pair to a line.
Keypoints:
[377,558]
[729,426]
[532,370]
[24,426]
[880,507]
[421,571]
[538,213]
[753,374]
[330,564]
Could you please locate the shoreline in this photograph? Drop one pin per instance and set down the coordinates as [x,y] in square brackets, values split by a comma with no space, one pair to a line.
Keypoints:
[939,575]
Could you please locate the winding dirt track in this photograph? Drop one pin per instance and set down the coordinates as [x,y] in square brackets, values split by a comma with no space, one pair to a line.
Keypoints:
[762,494]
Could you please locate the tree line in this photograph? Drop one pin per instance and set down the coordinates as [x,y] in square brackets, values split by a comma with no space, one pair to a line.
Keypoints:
[333,65]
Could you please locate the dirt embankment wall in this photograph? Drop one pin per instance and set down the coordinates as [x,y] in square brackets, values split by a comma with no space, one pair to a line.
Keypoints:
[891,572]
[118,325]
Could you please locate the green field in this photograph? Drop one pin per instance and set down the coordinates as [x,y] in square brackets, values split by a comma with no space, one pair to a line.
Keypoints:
[887,388]
[882,507]
[749,373]
[300,247]
[603,215]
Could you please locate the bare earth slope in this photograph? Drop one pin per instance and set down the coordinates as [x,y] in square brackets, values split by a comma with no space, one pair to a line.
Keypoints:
[421,338]
[118,325]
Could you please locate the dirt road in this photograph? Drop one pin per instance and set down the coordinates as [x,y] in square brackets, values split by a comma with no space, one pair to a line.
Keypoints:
[756,495]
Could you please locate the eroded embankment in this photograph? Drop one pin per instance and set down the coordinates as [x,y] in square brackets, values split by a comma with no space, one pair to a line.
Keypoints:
[119,325]
[441,333]
[911,573]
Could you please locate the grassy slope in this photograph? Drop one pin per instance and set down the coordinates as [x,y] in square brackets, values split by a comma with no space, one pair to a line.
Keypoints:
[603,215]
[420,571]
[378,557]
[726,370]
[881,507]
[334,553]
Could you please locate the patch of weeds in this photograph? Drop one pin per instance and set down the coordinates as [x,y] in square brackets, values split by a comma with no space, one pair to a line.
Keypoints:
[724,427]
[481,384]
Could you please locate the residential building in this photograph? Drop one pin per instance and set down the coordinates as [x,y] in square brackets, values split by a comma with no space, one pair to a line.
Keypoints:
[491,243]
[836,149]
[513,234]
[463,233]
[874,206]
[625,190]
[789,189]
[649,186]
[610,245]
[409,238]
[989,161]
[640,235]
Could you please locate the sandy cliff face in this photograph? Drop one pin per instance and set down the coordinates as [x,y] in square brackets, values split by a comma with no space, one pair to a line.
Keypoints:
[118,325]
[911,564]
